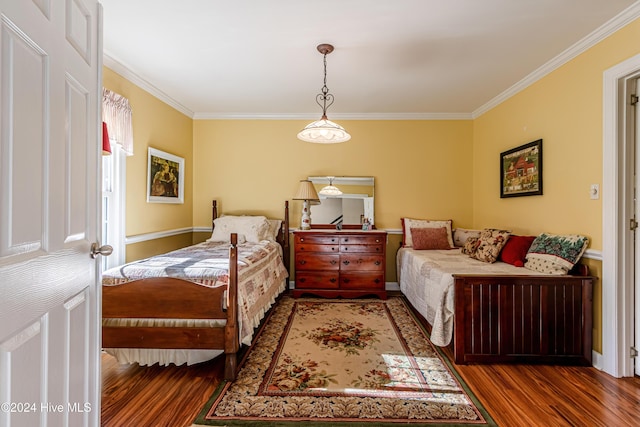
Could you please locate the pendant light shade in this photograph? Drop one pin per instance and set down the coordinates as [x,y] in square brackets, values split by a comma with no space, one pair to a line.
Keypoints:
[324,131]
[330,190]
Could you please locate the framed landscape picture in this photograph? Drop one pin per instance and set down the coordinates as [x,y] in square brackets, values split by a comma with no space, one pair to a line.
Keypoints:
[521,170]
[165,177]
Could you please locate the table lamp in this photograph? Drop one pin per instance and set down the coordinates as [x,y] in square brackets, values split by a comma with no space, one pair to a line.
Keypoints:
[307,193]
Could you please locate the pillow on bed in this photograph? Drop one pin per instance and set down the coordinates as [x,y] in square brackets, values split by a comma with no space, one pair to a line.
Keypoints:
[430,238]
[555,254]
[250,228]
[460,235]
[490,243]
[409,223]
[470,246]
[274,228]
[515,250]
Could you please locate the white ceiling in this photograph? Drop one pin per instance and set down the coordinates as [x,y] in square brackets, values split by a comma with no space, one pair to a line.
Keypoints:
[392,58]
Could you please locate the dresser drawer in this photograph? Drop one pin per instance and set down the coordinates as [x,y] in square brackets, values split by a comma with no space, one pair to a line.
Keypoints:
[362,240]
[362,262]
[317,280]
[349,248]
[315,239]
[361,281]
[314,247]
[315,261]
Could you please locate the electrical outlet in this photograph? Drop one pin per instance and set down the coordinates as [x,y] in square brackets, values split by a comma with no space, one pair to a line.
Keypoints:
[594,192]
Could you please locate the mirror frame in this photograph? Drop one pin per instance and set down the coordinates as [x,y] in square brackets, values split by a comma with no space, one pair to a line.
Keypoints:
[346,180]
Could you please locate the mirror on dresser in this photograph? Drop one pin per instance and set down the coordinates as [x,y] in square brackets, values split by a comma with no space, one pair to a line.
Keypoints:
[348,207]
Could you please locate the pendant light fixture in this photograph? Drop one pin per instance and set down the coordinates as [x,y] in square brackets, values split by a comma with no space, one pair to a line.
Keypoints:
[330,190]
[324,131]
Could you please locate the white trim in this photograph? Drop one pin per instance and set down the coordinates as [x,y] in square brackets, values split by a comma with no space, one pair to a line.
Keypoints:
[604,31]
[615,321]
[157,235]
[334,116]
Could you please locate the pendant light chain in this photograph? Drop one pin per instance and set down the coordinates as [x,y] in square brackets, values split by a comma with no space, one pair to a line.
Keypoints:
[325,96]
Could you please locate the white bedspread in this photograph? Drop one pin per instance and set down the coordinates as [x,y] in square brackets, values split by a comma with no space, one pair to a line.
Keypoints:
[426,279]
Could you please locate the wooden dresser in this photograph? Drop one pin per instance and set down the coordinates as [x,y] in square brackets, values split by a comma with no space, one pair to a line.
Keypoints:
[332,263]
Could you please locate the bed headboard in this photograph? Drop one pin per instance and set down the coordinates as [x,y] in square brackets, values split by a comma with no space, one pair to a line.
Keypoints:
[283,233]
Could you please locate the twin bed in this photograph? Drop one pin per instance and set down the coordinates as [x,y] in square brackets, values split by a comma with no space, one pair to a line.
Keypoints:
[496,312]
[193,304]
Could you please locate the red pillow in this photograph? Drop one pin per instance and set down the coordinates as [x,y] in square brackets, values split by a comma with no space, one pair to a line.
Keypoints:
[430,238]
[515,250]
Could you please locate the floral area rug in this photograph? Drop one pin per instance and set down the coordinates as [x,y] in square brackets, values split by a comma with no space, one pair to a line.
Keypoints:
[344,362]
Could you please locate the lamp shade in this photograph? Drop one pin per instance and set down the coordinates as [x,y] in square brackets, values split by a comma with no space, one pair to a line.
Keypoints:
[106,145]
[306,191]
[324,131]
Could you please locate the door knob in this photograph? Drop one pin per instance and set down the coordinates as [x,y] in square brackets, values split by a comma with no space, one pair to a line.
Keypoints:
[96,250]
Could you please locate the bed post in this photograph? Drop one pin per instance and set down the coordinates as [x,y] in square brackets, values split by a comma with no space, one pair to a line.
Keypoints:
[231,333]
[214,212]
[286,252]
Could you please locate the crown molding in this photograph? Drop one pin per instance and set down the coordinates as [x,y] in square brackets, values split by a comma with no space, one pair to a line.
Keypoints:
[622,19]
[334,116]
[125,71]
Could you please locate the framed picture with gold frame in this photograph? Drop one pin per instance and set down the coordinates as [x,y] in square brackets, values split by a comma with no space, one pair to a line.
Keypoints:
[165,177]
[521,170]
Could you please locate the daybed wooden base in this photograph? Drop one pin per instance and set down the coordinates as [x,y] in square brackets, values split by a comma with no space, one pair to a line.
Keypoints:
[530,319]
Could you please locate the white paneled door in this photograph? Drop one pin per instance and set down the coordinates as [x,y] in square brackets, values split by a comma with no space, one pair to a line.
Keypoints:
[50,75]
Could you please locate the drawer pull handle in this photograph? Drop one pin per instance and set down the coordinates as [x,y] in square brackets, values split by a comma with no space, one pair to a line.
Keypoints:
[377,281]
[302,239]
[303,280]
[346,240]
[332,280]
[377,263]
[346,280]
[377,240]
[346,249]
[377,249]
[346,262]
[302,262]
[333,262]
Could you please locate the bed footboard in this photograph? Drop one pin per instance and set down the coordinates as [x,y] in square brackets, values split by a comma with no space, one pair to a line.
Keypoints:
[531,319]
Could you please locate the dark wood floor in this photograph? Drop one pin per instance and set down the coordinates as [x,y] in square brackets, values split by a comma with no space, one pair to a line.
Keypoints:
[514,395]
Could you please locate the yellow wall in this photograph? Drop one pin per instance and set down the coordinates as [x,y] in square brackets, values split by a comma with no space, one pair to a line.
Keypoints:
[565,110]
[156,125]
[421,168]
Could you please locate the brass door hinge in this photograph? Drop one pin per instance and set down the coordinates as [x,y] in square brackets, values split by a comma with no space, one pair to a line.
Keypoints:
[633,224]
[634,99]
[634,352]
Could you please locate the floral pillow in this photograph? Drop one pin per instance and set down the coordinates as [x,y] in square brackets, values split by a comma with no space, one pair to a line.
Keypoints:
[555,254]
[409,223]
[490,243]
[470,245]
[430,238]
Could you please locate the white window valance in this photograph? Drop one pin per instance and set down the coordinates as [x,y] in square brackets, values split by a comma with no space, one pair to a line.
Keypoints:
[116,113]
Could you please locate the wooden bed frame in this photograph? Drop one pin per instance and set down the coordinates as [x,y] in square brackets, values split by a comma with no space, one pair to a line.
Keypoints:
[172,298]
[525,319]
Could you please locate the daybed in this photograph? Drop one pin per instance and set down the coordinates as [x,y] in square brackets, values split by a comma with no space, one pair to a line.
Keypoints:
[495,312]
[193,304]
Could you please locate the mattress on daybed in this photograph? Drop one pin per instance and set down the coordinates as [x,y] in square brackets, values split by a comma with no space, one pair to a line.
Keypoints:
[426,279]
[261,278]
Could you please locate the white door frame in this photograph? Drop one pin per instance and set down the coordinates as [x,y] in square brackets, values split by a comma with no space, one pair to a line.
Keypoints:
[617,260]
